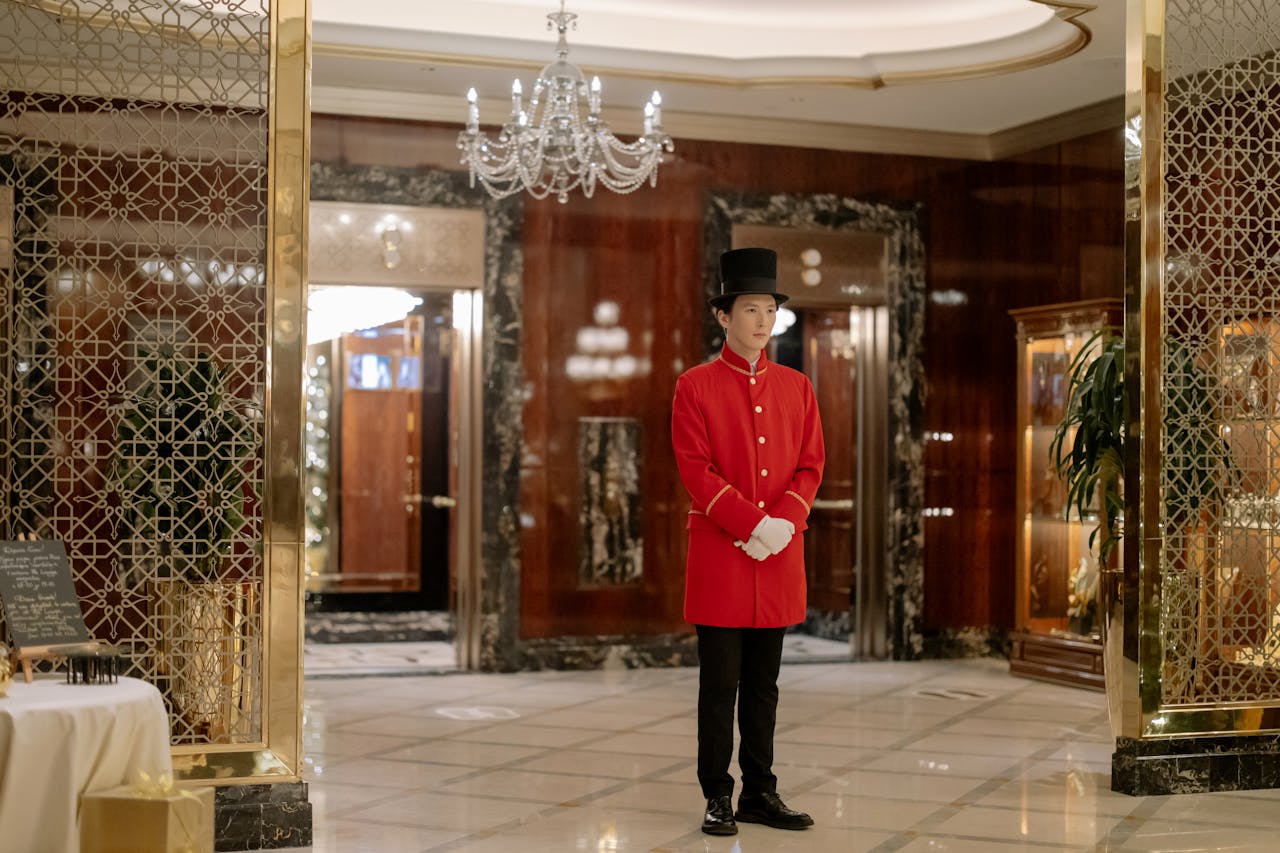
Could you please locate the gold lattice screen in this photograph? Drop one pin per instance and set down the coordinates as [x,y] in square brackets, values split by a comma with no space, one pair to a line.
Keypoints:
[1219,328]
[134,136]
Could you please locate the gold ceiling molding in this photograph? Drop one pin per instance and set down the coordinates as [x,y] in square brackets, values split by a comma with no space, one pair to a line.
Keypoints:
[1069,12]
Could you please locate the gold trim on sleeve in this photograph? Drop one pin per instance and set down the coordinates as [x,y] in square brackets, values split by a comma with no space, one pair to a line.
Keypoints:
[719,494]
[803,502]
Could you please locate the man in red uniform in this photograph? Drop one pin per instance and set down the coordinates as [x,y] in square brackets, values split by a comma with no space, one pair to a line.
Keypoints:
[748,444]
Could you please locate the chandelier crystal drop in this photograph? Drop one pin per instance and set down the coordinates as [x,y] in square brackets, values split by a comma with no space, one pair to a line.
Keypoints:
[554,148]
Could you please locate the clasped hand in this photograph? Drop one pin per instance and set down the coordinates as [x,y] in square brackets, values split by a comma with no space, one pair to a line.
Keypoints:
[770,537]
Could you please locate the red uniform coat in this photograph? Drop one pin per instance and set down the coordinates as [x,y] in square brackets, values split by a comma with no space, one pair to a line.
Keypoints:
[746,446]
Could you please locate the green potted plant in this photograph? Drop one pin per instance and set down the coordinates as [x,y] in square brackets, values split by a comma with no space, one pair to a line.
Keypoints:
[179,467]
[1092,465]
[1087,449]
[184,443]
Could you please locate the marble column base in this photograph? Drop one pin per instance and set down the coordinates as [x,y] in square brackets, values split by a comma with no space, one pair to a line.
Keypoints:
[261,817]
[1195,765]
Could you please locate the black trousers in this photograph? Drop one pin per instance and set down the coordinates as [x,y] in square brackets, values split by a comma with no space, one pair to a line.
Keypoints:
[741,664]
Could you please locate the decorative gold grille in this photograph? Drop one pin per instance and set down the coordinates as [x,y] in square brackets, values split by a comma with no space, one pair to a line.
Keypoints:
[134,136]
[1220,338]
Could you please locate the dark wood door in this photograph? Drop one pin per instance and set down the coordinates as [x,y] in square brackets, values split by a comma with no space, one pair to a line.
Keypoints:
[381,477]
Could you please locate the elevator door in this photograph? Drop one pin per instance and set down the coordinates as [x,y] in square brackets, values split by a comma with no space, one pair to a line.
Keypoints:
[386,520]
[844,352]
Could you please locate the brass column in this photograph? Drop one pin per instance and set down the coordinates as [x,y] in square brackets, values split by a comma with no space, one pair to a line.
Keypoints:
[1192,635]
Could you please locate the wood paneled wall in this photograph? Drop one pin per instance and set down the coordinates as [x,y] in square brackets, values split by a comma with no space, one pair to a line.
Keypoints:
[1040,228]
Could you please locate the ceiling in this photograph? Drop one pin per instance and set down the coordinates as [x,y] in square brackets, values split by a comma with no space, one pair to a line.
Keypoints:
[960,78]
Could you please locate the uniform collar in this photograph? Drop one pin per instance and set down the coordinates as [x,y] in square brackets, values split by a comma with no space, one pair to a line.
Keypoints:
[739,364]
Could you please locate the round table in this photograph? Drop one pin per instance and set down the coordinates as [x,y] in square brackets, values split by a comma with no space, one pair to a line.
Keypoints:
[59,740]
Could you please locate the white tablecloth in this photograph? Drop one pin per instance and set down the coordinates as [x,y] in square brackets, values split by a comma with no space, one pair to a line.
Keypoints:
[59,740]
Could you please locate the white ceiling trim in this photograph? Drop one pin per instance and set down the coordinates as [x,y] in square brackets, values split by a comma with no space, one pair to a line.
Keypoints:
[380,103]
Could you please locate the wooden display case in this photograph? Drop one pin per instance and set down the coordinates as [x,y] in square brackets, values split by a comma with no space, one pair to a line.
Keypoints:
[1058,632]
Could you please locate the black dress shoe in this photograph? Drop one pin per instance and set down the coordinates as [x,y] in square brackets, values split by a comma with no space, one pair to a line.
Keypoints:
[719,817]
[771,811]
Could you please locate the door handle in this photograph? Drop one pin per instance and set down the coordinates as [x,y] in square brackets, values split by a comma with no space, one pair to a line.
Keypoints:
[437,501]
[823,503]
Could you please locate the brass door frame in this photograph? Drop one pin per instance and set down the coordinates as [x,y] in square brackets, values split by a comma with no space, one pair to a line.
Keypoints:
[468,324]
[869,610]
[465,448]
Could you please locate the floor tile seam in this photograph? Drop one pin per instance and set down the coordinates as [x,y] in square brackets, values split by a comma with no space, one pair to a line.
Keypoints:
[671,768]
[909,836]
[412,788]
[966,800]
[836,774]
[336,759]
[385,754]
[1206,823]
[1047,810]
[1011,773]
[1122,832]
[341,812]
[476,772]
[571,802]
[491,832]
[603,735]
[472,772]
[388,672]
[582,707]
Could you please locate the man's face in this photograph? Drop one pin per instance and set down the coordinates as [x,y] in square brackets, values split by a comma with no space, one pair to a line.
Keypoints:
[749,323]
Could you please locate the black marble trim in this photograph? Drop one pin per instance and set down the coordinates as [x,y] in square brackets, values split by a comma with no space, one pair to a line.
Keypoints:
[409,626]
[906,303]
[261,817]
[1195,765]
[951,643]
[562,653]
[825,625]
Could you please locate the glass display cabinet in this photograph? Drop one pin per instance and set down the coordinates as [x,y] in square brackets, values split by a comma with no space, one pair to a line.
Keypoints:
[1237,612]
[1058,630]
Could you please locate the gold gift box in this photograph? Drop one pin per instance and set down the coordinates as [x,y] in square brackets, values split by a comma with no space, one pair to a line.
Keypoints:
[122,820]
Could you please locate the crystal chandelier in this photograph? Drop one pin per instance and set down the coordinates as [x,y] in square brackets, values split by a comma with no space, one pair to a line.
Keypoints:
[553,149]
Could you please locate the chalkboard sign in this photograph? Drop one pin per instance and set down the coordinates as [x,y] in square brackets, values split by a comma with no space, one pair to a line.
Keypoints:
[40,603]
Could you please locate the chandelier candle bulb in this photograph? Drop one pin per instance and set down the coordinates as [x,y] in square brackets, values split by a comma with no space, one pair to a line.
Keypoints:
[473,111]
[561,143]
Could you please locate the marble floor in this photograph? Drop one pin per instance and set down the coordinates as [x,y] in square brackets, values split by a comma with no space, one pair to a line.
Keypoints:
[928,756]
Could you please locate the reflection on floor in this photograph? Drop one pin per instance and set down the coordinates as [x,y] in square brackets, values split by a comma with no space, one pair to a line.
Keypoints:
[326,660]
[928,756]
[329,659]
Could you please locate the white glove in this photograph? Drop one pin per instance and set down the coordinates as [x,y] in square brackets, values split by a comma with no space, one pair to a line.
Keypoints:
[755,549]
[775,533]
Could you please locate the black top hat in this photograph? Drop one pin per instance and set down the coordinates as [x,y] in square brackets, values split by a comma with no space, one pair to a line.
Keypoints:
[747,271]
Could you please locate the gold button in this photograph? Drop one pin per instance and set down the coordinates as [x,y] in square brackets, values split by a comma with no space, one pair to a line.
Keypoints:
[761,504]
[759,409]
[761,439]
[753,380]
[764,472]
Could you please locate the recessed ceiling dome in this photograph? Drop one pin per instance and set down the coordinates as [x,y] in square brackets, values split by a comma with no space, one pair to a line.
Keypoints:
[741,42]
